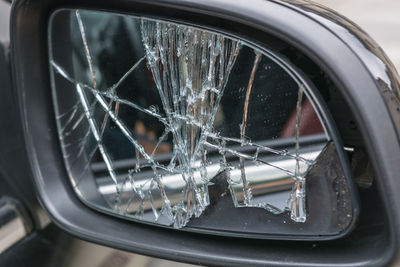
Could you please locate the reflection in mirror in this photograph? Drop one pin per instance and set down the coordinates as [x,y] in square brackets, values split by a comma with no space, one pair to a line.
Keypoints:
[163,122]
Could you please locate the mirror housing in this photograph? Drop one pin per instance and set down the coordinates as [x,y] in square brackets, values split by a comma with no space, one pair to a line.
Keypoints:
[336,47]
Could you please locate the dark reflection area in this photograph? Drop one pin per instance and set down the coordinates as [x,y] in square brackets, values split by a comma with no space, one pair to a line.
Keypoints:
[108,48]
[178,126]
[274,94]
[344,119]
[274,97]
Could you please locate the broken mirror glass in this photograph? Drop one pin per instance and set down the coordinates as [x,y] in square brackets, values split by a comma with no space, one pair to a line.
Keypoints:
[184,127]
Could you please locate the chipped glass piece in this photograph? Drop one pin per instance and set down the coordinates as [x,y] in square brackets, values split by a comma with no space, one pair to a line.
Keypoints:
[159,122]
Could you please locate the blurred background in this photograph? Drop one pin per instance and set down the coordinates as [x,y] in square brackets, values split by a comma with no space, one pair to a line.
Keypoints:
[380,18]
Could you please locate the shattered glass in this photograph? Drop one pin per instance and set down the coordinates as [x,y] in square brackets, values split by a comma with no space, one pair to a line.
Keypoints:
[158,121]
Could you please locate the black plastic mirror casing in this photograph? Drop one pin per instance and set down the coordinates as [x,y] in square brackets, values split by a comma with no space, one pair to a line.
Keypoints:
[360,71]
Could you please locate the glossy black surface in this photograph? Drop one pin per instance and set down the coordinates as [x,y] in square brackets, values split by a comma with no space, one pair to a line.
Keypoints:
[374,58]
[15,179]
[358,41]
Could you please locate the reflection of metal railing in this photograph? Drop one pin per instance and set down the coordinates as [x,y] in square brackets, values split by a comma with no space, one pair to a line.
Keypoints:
[99,168]
[266,181]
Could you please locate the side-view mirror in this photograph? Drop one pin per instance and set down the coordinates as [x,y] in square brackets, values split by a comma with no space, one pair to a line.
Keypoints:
[218,132]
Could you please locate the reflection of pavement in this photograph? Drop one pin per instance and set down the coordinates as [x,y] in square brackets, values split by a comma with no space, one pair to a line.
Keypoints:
[4,16]
[380,19]
[90,255]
